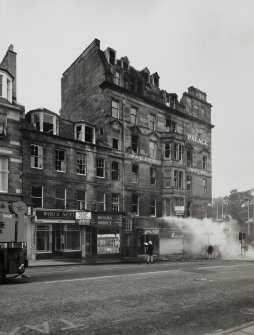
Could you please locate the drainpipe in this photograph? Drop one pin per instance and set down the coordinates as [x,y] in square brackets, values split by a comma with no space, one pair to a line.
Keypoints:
[123,146]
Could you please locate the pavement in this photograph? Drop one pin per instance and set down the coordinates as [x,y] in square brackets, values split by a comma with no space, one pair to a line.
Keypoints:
[244,329]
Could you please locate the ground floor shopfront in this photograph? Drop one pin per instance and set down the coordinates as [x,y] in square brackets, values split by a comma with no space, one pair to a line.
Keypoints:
[75,234]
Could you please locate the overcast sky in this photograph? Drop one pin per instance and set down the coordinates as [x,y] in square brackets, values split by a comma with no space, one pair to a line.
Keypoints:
[208,44]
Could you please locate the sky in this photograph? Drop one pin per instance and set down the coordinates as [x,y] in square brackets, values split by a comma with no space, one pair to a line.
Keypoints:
[208,44]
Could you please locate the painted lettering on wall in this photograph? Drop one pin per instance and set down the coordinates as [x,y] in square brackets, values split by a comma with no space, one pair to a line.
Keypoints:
[196,139]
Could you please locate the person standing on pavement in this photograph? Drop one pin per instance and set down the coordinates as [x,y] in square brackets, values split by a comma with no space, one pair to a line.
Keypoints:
[149,253]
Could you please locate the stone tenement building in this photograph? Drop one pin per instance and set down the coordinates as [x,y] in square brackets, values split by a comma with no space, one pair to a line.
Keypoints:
[101,177]
[164,144]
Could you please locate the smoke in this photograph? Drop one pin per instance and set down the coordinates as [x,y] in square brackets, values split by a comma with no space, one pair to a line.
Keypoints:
[198,234]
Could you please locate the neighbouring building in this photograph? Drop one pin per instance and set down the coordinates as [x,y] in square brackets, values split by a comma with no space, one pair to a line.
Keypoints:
[164,145]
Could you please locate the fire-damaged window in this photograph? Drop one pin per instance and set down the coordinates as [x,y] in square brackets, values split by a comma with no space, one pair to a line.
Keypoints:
[135,170]
[167,178]
[100,167]
[204,162]
[84,133]
[60,197]
[153,149]
[115,170]
[60,163]
[135,204]
[204,186]
[152,120]
[153,176]
[189,183]
[167,151]
[2,129]
[101,201]
[153,207]
[45,122]
[36,156]
[4,172]
[135,143]
[117,78]
[115,109]
[115,202]
[81,164]
[189,158]
[37,196]
[178,152]
[171,125]
[178,179]
[81,199]
[134,114]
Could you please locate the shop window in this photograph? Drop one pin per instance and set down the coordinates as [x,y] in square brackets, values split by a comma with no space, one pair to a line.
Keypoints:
[204,162]
[108,241]
[117,78]
[135,144]
[152,120]
[189,183]
[178,152]
[153,176]
[115,143]
[135,171]
[37,197]
[81,199]
[152,149]
[115,170]
[101,201]
[188,209]
[60,163]
[84,133]
[189,158]
[4,172]
[167,151]
[135,204]
[36,156]
[204,186]
[153,207]
[43,238]
[60,197]
[134,114]
[115,109]
[179,202]
[115,202]
[178,179]
[100,167]
[67,237]
[81,164]
[204,211]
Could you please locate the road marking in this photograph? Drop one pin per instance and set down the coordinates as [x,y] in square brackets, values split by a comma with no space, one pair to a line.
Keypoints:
[112,276]
[222,266]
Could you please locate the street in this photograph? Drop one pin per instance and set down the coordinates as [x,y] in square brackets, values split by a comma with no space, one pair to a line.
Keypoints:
[196,297]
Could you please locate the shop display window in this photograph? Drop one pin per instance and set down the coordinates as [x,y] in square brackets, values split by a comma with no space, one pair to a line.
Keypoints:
[67,237]
[44,238]
[108,242]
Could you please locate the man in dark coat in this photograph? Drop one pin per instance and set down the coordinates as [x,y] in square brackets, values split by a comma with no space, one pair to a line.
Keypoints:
[149,253]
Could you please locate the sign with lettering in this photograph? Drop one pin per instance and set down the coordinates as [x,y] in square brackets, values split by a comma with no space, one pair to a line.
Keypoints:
[143,159]
[49,215]
[7,227]
[198,171]
[196,139]
[179,210]
[107,220]
[151,231]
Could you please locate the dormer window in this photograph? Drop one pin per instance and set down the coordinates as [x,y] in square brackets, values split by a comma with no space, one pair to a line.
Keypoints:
[45,122]
[112,57]
[6,85]
[84,133]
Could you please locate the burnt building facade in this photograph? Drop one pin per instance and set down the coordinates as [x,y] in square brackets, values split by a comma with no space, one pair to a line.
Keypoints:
[164,143]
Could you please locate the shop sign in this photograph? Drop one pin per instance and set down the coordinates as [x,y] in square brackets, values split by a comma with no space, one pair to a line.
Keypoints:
[56,216]
[179,210]
[176,235]
[107,220]
[198,171]
[151,231]
[83,218]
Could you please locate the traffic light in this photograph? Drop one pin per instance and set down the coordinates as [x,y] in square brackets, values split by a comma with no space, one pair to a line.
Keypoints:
[242,236]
